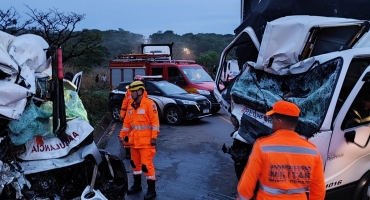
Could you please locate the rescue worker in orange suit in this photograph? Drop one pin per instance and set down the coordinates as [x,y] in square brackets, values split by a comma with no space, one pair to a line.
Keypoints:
[284,164]
[139,132]
[125,103]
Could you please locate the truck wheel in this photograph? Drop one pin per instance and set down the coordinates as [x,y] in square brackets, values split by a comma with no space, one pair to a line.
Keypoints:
[172,116]
[215,110]
[116,109]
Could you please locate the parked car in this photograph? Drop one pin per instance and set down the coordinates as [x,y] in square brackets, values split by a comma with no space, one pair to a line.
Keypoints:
[174,103]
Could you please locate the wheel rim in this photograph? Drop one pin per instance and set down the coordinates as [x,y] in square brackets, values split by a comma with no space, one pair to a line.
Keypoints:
[172,116]
[116,113]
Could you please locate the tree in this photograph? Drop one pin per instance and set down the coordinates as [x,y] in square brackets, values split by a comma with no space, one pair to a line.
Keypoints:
[87,61]
[208,59]
[9,21]
[121,42]
[58,29]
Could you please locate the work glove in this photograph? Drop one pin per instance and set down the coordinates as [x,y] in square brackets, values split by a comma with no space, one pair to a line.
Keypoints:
[153,141]
[123,140]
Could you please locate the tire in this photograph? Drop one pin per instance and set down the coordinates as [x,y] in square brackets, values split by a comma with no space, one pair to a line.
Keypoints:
[172,116]
[115,112]
[215,110]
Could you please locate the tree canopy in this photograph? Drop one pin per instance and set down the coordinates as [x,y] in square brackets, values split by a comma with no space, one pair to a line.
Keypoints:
[86,49]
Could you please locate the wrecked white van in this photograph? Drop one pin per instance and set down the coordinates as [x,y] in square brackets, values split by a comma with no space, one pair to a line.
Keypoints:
[322,64]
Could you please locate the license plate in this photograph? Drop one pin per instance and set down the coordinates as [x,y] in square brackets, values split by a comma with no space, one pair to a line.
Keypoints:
[205,110]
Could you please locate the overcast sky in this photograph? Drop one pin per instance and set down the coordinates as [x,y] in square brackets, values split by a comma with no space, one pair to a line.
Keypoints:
[145,16]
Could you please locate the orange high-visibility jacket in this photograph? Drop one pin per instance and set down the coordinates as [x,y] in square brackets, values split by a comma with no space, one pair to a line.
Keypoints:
[126,101]
[141,125]
[286,166]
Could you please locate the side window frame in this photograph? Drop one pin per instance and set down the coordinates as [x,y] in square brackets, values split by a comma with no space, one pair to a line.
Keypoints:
[157,70]
[339,120]
[353,75]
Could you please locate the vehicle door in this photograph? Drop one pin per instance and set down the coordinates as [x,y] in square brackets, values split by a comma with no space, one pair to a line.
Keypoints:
[348,156]
[175,76]
[156,95]
[244,41]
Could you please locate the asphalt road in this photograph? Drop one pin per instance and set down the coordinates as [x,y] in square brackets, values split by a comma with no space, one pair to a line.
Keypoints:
[189,162]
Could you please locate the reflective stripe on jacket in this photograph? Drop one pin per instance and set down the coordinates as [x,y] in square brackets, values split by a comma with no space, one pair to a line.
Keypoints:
[286,166]
[141,125]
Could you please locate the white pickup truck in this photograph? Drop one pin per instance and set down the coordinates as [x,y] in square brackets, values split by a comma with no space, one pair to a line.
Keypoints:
[321,64]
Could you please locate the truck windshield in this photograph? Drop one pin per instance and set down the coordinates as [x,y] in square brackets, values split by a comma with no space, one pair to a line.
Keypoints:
[311,91]
[196,74]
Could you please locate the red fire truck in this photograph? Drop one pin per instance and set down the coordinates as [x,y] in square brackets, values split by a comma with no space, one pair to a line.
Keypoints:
[156,59]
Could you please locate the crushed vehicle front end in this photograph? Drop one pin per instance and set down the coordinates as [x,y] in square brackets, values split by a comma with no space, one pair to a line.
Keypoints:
[47,147]
[321,74]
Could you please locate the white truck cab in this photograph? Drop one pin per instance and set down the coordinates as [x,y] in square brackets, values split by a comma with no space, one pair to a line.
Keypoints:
[322,64]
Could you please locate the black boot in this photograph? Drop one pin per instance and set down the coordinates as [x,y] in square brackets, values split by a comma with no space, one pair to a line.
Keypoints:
[136,187]
[151,194]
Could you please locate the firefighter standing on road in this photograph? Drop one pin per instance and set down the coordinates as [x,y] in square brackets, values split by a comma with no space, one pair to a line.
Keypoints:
[125,103]
[139,132]
[285,165]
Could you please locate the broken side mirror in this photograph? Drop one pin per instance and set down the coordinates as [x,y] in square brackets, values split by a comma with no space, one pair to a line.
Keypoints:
[359,139]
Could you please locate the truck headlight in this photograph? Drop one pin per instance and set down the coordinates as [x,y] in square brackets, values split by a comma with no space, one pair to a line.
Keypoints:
[204,92]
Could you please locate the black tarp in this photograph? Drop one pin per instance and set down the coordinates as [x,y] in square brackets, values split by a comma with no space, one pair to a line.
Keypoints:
[258,12]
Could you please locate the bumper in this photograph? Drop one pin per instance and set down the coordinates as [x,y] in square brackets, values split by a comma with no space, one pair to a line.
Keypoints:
[190,112]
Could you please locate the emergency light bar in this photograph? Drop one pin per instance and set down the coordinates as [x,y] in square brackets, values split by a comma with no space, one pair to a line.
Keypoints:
[153,77]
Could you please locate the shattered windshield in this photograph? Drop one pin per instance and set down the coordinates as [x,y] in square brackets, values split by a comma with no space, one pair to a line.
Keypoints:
[311,91]
[196,74]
